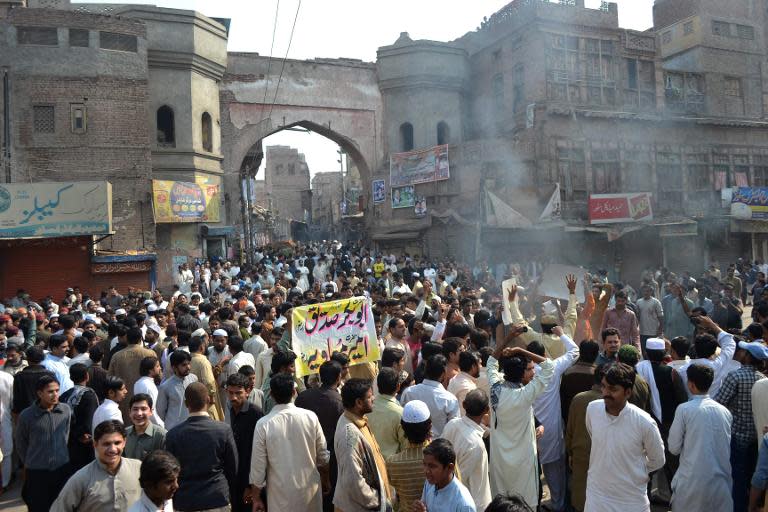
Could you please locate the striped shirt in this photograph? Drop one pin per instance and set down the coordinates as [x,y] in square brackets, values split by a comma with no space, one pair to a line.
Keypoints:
[406,474]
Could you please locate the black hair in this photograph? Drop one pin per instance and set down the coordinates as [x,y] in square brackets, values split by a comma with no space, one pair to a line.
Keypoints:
[235,344]
[330,371]
[755,330]
[701,375]
[430,349]
[194,344]
[43,382]
[158,466]
[113,383]
[476,403]
[146,365]
[654,355]
[391,356]
[417,433]
[281,387]
[247,370]
[457,330]
[442,450]
[134,336]
[537,348]
[282,359]
[514,367]
[341,358]
[81,345]
[435,367]
[238,380]
[508,503]
[681,345]
[56,341]
[467,360]
[180,356]
[78,373]
[140,397]
[34,355]
[353,390]
[109,427]
[451,346]
[705,345]
[620,374]
[588,351]
[95,354]
[611,331]
[387,380]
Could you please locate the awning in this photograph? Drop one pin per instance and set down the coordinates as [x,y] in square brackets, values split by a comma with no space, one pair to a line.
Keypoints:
[405,235]
[206,230]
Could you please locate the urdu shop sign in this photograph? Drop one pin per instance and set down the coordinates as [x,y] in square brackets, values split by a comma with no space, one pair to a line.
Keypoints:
[615,208]
[55,209]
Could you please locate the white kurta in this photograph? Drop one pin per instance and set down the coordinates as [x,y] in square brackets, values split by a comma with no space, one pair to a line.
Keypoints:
[513,434]
[547,409]
[719,364]
[303,281]
[6,425]
[466,436]
[288,446]
[625,450]
[701,434]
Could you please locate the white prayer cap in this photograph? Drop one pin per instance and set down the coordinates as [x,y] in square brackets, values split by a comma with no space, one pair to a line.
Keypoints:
[220,332]
[415,411]
[281,321]
[120,312]
[416,274]
[201,332]
[655,344]
[148,302]
[155,328]
[152,307]
[101,310]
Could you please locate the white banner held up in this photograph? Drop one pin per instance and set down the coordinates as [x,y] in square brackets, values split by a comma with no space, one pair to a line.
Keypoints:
[553,281]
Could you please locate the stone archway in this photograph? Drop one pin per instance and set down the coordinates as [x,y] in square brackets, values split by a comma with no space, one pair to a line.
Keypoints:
[336,98]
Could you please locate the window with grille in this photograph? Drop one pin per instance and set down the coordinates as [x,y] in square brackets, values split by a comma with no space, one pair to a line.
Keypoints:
[606,173]
[78,117]
[697,165]
[745,32]
[733,87]
[117,42]
[78,37]
[570,163]
[43,119]
[41,36]
[666,37]
[721,28]
[639,174]
[688,28]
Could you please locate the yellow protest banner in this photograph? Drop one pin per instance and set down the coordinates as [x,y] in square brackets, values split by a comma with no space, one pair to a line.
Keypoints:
[181,201]
[345,326]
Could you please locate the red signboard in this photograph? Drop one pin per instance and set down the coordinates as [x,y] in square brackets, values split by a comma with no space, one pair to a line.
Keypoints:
[615,208]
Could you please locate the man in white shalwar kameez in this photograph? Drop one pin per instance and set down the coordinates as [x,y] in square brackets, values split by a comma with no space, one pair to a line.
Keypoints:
[626,447]
[701,435]
[513,459]
[288,450]
[547,410]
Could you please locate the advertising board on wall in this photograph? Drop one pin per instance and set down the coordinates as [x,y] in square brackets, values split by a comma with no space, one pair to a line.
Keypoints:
[55,209]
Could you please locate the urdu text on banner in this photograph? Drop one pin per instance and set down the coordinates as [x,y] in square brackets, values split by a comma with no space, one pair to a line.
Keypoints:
[422,166]
[345,326]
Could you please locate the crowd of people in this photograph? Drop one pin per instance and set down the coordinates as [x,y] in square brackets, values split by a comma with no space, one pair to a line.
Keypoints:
[188,399]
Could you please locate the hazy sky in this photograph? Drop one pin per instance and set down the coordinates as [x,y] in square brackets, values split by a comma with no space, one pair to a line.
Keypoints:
[354,29]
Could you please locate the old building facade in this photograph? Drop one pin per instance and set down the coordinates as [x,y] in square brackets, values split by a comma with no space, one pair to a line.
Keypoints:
[99,92]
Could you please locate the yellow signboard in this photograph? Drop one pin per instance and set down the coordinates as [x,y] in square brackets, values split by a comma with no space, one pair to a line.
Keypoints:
[345,326]
[182,201]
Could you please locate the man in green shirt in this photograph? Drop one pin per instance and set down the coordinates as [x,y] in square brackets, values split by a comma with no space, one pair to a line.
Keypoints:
[143,436]
[387,413]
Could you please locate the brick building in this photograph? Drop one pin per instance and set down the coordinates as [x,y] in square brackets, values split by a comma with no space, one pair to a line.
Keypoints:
[327,193]
[287,185]
[546,93]
[85,86]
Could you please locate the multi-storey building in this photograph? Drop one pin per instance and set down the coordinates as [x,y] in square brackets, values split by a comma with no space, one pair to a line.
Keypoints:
[545,94]
[101,92]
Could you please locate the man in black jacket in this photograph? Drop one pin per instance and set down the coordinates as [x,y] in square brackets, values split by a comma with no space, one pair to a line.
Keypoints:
[206,474]
[25,381]
[242,417]
[83,402]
